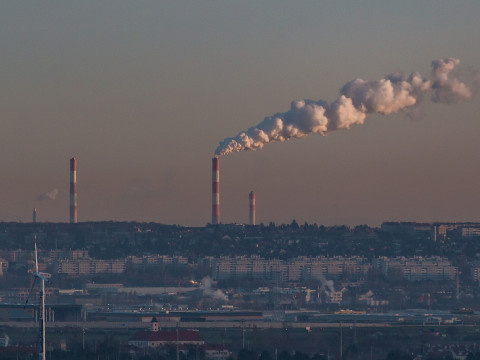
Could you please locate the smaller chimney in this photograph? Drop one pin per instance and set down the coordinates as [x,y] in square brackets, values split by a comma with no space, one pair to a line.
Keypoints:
[34,217]
[73,190]
[251,198]
[215,191]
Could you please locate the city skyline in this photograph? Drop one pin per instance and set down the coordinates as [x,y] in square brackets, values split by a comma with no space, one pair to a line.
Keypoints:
[143,94]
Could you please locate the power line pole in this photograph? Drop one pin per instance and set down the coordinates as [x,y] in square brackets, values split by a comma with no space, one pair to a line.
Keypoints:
[341,341]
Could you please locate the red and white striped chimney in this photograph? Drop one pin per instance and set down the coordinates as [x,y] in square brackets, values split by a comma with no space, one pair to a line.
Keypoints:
[73,190]
[215,191]
[251,198]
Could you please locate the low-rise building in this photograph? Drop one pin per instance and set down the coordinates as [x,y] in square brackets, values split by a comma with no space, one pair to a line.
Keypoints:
[156,338]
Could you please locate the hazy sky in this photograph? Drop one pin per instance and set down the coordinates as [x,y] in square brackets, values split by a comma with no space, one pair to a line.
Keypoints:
[142,92]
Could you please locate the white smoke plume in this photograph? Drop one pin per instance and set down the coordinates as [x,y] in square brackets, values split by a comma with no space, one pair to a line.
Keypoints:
[358,98]
[206,286]
[327,285]
[53,194]
[6,339]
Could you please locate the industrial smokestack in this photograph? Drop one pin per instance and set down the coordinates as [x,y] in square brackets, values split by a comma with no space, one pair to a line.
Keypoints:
[215,191]
[73,190]
[251,198]
[34,216]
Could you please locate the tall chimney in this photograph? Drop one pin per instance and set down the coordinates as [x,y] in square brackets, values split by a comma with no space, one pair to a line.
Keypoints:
[251,198]
[73,190]
[34,217]
[215,191]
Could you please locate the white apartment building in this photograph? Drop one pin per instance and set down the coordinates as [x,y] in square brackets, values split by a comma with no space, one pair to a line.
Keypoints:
[418,268]
[90,267]
[470,232]
[156,259]
[301,268]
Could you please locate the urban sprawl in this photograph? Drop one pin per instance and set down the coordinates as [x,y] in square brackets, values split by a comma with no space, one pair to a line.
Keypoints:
[234,290]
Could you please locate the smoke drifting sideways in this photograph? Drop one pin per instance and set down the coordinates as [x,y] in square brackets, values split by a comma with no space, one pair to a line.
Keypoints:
[206,285]
[53,194]
[358,98]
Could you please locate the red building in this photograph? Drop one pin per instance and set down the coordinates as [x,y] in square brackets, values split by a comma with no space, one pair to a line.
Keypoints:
[156,338]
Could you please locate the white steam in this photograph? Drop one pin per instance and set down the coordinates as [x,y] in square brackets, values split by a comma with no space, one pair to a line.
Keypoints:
[53,194]
[206,286]
[327,285]
[358,98]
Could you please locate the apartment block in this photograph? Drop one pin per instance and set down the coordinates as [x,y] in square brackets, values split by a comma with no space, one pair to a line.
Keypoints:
[418,268]
[90,267]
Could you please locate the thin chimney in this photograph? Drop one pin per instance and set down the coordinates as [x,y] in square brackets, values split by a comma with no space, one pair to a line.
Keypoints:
[73,190]
[251,198]
[215,191]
